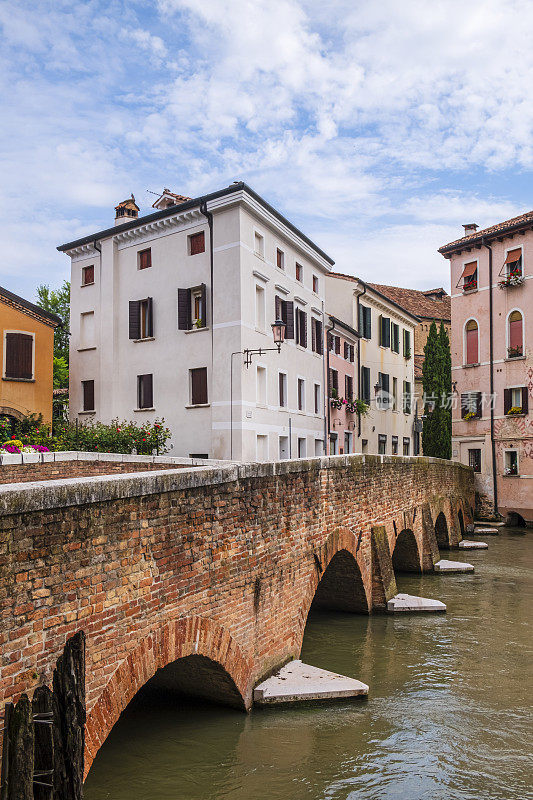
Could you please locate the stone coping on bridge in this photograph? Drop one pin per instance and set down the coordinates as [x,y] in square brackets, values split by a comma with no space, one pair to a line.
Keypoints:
[13,459]
[19,498]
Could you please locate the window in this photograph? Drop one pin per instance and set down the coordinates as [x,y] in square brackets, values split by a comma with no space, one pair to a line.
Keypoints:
[511,462]
[301,394]
[382,444]
[299,273]
[192,308]
[365,384]
[197,243]
[384,331]
[337,340]
[302,447]
[406,343]
[260,307]
[280,259]
[513,263]
[87,275]
[87,392]
[19,356]
[383,391]
[471,405]
[395,337]
[468,277]
[141,319]
[406,445]
[395,394]
[407,397]
[317,398]
[87,330]
[319,448]
[145,395]
[394,445]
[515,401]
[198,385]
[282,385]
[261,385]
[349,352]
[474,459]
[348,438]
[259,245]
[315,284]
[284,310]
[317,343]
[471,342]
[365,322]
[333,444]
[348,387]
[515,343]
[333,383]
[262,447]
[144,258]
[301,327]
[283,447]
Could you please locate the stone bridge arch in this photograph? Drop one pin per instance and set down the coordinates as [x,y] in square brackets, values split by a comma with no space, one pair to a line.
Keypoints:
[406,556]
[197,654]
[414,523]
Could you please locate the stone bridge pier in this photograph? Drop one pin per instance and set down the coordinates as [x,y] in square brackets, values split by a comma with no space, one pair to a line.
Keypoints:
[202,579]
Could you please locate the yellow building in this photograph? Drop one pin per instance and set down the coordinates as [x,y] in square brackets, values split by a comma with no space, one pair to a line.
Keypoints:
[27,357]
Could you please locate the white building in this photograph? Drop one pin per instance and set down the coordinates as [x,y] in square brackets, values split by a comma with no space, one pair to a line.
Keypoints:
[383,366]
[158,305]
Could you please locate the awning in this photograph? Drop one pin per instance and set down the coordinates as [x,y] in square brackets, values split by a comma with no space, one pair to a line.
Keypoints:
[513,255]
[469,269]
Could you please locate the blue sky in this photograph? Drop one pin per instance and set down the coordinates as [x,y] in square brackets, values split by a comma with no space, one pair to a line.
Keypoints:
[377,128]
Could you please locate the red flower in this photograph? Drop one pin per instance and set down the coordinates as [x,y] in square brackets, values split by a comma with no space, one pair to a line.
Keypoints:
[13,437]
[144,440]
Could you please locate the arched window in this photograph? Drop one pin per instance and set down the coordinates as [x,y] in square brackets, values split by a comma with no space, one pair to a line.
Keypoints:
[471,342]
[515,341]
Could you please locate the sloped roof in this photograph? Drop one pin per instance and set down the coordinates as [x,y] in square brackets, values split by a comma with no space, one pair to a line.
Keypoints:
[375,288]
[508,226]
[30,308]
[416,302]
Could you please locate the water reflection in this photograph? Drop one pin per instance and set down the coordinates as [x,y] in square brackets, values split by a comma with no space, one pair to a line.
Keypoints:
[447,715]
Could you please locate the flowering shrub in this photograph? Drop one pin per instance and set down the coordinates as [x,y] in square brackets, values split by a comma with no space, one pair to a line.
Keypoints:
[470,415]
[514,410]
[18,447]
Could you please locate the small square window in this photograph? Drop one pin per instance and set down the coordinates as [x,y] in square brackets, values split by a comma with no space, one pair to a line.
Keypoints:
[196,243]
[299,273]
[145,258]
[315,284]
[145,396]
[474,459]
[87,275]
[198,385]
[280,259]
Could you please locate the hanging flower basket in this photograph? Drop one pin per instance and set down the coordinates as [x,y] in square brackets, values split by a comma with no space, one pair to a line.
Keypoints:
[336,402]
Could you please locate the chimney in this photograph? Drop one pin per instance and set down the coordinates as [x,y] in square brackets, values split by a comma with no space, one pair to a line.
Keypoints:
[126,211]
[471,227]
[168,199]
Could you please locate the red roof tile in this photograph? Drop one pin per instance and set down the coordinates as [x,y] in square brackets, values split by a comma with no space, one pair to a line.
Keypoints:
[524,220]
[417,303]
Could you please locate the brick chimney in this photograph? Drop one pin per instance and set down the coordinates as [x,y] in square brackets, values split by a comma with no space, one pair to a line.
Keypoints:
[470,227]
[126,211]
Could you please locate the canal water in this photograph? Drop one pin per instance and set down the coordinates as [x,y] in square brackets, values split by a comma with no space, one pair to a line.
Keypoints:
[447,718]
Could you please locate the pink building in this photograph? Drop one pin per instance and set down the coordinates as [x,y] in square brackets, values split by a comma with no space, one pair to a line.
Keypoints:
[492,363]
[341,358]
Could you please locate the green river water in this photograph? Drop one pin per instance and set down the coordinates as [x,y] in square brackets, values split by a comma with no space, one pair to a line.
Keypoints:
[447,717]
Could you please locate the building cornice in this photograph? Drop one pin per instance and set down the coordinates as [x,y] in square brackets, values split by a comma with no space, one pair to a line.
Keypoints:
[31,310]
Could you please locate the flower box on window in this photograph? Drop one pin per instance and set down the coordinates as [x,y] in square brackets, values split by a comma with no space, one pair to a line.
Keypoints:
[514,352]
[514,411]
[513,279]
[470,415]
[469,286]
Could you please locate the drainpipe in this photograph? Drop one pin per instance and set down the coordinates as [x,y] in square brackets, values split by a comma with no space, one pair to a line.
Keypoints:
[356,326]
[328,406]
[491,374]
[209,217]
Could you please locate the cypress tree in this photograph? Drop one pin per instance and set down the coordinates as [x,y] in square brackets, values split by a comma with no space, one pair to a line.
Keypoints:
[436,382]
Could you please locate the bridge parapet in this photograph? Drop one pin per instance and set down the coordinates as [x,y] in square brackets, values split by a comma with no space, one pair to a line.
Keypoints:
[215,564]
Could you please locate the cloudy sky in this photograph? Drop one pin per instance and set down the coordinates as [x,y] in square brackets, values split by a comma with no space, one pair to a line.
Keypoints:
[377,127]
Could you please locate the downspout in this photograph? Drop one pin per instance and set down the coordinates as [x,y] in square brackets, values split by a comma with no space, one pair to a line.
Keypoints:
[326,393]
[491,377]
[359,360]
[209,217]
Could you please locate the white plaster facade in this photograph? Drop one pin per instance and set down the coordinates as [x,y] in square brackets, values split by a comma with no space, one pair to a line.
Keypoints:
[391,420]
[240,297]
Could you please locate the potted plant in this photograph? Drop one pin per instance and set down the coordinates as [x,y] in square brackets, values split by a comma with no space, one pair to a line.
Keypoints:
[514,410]
[470,415]
[514,278]
[198,323]
[514,352]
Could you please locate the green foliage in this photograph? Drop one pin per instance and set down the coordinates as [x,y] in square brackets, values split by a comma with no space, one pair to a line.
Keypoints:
[57,301]
[60,373]
[117,437]
[437,385]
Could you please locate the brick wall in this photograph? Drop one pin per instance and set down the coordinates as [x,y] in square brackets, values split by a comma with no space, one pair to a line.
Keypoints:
[220,563]
[25,473]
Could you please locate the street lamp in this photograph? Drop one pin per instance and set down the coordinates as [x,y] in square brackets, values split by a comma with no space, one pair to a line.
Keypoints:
[278,334]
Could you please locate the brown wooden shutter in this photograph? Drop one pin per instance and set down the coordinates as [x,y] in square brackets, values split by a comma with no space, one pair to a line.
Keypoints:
[145,259]
[88,395]
[319,338]
[135,319]
[506,400]
[524,400]
[313,335]
[88,275]
[199,386]
[19,355]
[479,404]
[330,381]
[197,242]
[464,404]
[287,307]
[303,332]
[150,320]
[184,309]
[203,298]
[345,349]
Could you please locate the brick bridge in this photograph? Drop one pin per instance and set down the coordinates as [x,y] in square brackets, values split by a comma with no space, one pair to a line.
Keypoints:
[208,575]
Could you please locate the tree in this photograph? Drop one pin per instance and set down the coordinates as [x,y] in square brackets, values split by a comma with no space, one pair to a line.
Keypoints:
[57,301]
[437,384]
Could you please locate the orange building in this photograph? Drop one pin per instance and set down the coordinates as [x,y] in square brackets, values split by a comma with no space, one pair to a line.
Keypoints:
[27,357]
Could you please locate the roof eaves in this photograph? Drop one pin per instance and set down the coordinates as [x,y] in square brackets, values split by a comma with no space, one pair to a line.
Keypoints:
[388,300]
[487,234]
[41,312]
[339,322]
